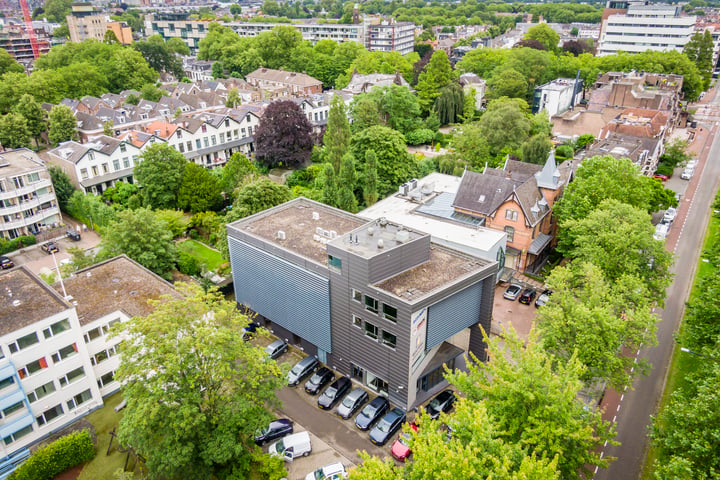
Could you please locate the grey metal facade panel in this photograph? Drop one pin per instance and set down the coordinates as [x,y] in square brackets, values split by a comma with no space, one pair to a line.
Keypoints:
[399,259]
[454,314]
[286,294]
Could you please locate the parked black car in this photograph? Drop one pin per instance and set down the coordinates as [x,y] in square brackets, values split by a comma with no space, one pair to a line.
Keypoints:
[387,426]
[301,370]
[527,296]
[334,393]
[372,413]
[276,348]
[321,378]
[49,247]
[5,262]
[73,235]
[442,402]
[352,403]
[276,429]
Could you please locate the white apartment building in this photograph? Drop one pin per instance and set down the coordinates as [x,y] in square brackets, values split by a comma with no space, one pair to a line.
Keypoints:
[391,36]
[636,27]
[56,360]
[557,96]
[97,165]
[312,32]
[27,198]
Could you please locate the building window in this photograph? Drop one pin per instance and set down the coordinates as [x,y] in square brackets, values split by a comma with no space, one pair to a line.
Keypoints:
[6,382]
[32,367]
[83,173]
[242,130]
[24,342]
[49,415]
[65,352]
[357,295]
[100,357]
[213,139]
[41,391]
[204,128]
[181,147]
[94,170]
[198,144]
[56,328]
[189,146]
[335,262]
[106,379]
[205,142]
[91,156]
[371,330]
[116,165]
[371,304]
[390,313]
[389,339]
[511,214]
[12,408]
[122,148]
[433,378]
[179,133]
[33,177]
[17,435]
[357,321]
[222,137]
[72,376]
[510,231]
[79,399]
[93,334]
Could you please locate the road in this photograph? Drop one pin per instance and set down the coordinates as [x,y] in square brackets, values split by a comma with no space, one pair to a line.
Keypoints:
[633,408]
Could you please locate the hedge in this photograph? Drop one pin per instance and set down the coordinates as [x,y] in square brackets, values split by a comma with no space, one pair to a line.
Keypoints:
[53,459]
[16,243]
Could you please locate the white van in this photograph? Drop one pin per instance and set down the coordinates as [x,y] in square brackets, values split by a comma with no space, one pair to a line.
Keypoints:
[292,446]
[334,471]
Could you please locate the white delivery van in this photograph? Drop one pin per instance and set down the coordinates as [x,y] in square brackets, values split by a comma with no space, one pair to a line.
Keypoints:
[292,446]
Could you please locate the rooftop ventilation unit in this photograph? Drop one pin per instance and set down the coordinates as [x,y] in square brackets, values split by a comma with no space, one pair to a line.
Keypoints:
[315,216]
[380,243]
[402,236]
[404,189]
[16,303]
[280,235]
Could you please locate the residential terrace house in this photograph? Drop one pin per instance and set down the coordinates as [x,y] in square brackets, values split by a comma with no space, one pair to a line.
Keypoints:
[282,83]
[375,300]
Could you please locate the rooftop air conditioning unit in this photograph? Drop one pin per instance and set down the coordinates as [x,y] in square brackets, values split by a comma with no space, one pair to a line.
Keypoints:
[281,235]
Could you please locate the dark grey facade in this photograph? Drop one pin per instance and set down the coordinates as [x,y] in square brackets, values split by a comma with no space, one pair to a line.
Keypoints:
[374,301]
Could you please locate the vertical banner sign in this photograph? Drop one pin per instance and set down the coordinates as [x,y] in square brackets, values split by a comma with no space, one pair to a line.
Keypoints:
[418,329]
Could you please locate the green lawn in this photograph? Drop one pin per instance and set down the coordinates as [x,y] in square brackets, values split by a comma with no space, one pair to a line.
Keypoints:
[683,364]
[205,255]
[104,420]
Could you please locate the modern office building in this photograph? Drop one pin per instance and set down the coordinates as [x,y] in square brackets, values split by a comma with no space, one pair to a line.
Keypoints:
[375,300]
[27,198]
[56,360]
[176,25]
[637,26]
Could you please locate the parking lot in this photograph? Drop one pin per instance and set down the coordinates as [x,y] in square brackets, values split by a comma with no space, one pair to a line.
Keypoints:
[333,439]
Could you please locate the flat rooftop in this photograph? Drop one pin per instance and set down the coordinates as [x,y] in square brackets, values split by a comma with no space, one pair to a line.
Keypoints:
[25,299]
[375,238]
[17,162]
[116,284]
[300,226]
[416,214]
[445,266]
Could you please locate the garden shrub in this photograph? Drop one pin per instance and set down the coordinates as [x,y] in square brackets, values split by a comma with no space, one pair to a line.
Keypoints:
[53,459]
[16,243]
[188,264]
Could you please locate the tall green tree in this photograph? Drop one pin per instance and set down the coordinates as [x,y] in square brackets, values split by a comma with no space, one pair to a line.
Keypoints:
[140,235]
[450,104]
[347,200]
[283,136]
[544,34]
[394,164]
[63,126]
[618,238]
[370,189]
[337,133]
[162,56]
[14,131]
[330,185]
[505,124]
[507,82]
[364,112]
[258,196]
[534,402]
[700,51]
[277,46]
[199,191]
[237,169]
[8,63]
[62,185]
[57,10]
[397,106]
[475,449]
[536,149]
[436,76]
[594,318]
[204,390]
[159,173]
[470,146]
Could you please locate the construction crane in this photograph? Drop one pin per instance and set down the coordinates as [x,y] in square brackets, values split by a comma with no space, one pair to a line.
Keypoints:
[30,29]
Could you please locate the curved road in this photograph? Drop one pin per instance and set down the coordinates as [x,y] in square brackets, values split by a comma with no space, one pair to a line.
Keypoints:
[632,409]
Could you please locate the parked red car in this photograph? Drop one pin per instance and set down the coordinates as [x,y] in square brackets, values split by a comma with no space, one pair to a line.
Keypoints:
[660,176]
[400,449]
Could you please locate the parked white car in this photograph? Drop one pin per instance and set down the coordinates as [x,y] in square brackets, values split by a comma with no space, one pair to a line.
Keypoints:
[669,215]
[334,471]
[661,231]
[687,173]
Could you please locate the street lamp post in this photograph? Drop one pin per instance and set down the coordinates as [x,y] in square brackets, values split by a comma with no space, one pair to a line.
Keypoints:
[687,350]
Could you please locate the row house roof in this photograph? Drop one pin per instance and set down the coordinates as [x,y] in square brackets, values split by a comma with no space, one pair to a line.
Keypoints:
[283,77]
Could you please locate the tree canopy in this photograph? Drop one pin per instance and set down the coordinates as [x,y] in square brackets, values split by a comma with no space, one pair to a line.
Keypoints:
[63,126]
[283,136]
[159,173]
[199,190]
[394,164]
[203,392]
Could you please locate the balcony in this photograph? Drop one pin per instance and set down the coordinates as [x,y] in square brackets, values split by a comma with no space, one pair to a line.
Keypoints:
[23,222]
[19,192]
